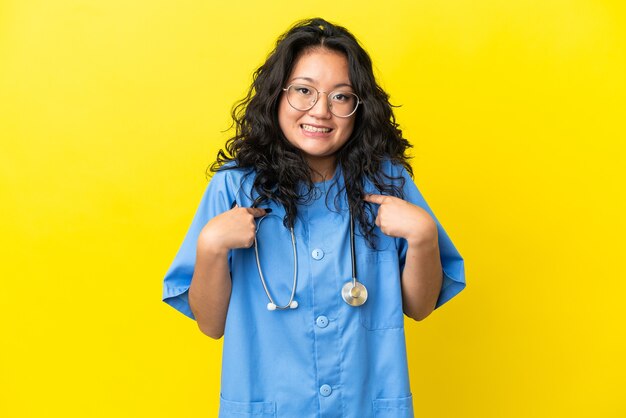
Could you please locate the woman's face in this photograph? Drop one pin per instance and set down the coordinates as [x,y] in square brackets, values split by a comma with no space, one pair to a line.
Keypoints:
[317,132]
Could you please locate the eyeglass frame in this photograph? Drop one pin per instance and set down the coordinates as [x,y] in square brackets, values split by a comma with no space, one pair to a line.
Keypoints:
[317,97]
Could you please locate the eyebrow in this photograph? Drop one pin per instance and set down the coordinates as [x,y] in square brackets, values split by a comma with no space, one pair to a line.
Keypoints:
[313,81]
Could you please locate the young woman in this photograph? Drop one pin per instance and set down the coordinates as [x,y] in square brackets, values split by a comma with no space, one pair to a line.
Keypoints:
[311,241]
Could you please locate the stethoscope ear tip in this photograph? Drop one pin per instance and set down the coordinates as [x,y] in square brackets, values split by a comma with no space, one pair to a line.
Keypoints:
[272,306]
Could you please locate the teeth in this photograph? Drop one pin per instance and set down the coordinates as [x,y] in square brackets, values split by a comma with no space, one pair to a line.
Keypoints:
[310,128]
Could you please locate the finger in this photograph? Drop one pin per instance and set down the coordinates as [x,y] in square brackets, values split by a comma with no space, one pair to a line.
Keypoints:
[378,199]
[256,212]
[249,243]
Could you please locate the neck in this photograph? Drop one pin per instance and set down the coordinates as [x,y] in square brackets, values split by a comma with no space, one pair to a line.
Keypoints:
[322,170]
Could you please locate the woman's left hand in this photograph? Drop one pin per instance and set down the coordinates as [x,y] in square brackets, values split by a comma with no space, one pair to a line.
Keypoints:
[401,219]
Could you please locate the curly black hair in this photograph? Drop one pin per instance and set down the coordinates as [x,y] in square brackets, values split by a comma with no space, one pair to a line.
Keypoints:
[280,168]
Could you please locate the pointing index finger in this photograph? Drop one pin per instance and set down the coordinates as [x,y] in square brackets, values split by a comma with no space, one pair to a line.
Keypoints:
[378,199]
[256,212]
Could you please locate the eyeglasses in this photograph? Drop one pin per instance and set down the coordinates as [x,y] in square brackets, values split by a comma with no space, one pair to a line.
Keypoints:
[341,103]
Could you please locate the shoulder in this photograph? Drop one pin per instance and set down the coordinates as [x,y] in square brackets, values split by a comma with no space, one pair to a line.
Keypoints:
[395,171]
[231,177]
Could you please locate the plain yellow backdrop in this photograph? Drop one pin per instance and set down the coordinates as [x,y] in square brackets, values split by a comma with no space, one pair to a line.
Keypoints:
[110,112]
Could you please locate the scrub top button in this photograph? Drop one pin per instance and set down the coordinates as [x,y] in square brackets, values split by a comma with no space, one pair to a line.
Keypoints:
[321,321]
[325,390]
[317,254]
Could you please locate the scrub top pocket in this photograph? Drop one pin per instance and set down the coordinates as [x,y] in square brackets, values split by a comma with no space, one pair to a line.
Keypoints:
[380,273]
[393,408]
[232,409]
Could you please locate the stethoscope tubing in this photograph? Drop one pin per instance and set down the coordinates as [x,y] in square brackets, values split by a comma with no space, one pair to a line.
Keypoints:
[353,292]
[273,305]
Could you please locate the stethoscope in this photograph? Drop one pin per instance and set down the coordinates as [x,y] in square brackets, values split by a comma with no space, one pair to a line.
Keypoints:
[354,293]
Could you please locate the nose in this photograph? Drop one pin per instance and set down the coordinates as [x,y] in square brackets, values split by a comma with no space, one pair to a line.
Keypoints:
[320,109]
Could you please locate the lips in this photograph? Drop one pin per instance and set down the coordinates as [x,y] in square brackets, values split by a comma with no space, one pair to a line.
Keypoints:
[315,128]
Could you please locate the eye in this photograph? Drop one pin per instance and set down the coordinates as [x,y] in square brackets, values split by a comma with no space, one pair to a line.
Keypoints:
[340,97]
[302,90]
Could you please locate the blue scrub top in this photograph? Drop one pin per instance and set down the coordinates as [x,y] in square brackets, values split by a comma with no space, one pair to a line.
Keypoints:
[324,359]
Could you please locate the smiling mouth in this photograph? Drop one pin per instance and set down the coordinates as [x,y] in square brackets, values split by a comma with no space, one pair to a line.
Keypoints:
[310,128]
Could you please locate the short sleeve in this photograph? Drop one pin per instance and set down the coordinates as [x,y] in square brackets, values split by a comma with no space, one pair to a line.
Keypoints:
[451,261]
[218,197]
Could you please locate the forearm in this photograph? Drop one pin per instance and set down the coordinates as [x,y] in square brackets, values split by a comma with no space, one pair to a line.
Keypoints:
[422,278]
[209,293]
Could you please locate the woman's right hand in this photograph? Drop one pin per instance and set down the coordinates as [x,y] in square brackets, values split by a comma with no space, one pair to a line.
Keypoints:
[234,228]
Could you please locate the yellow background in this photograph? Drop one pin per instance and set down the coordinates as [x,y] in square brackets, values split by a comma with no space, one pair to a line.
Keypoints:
[110,112]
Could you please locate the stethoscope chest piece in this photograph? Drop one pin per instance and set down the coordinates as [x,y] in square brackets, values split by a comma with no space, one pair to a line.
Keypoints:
[354,293]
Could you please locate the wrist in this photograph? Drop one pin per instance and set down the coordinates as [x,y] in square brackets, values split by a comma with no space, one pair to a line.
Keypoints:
[425,237]
[209,244]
